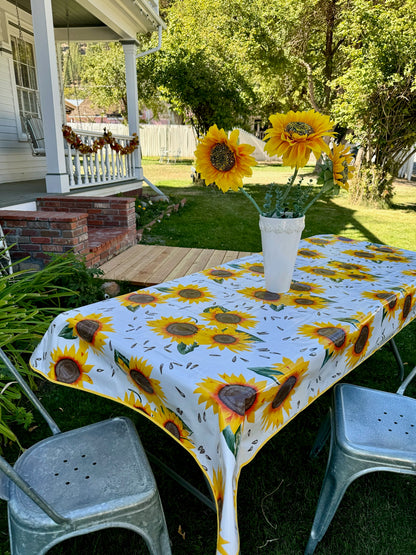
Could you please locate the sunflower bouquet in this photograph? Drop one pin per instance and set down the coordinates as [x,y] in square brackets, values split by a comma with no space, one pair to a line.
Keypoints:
[220,159]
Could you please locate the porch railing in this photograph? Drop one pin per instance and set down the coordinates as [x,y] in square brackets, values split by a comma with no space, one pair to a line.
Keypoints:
[101,167]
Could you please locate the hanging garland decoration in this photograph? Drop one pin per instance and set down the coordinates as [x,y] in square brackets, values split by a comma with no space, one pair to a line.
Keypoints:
[107,139]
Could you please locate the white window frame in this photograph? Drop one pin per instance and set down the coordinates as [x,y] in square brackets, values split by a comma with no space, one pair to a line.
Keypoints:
[27,37]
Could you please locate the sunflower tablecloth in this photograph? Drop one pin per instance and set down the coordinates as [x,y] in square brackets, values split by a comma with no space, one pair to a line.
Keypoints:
[220,363]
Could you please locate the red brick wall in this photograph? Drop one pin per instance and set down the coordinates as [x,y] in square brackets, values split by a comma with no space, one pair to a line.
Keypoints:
[97,228]
[38,234]
[102,211]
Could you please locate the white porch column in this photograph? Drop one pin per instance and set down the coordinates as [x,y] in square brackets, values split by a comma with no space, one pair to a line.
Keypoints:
[130,51]
[57,180]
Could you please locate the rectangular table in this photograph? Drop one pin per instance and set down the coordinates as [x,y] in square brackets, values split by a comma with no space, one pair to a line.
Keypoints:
[221,364]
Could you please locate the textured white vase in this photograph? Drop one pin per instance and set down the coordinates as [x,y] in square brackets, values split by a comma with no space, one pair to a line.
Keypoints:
[280,241]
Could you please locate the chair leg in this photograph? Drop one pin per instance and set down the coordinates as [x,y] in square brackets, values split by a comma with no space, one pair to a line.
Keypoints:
[395,350]
[322,436]
[341,471]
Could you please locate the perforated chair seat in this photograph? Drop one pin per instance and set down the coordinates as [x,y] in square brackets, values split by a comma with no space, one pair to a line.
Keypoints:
[97,476]
[377,423]
[371,431]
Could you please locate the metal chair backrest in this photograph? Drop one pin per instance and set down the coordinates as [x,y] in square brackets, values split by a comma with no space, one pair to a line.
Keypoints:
[34,130]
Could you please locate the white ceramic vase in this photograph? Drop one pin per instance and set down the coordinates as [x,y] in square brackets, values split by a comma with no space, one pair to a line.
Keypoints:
[280,241]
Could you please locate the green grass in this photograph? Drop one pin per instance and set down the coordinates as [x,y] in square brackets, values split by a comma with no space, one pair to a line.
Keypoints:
[278,491]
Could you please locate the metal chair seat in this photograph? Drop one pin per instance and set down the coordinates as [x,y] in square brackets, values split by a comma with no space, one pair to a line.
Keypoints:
[371,431]
[81,481]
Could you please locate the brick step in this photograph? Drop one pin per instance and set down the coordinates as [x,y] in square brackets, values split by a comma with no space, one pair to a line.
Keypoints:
[104,243]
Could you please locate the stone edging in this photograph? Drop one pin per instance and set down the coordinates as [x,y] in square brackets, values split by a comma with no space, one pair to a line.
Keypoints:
[167,212]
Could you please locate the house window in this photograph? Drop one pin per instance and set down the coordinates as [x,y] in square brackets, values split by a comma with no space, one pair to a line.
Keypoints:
[25,75]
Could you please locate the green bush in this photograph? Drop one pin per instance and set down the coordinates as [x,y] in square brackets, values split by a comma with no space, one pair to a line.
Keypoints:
[371,186]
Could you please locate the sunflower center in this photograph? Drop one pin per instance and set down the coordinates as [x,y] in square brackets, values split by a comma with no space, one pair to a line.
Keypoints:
[141,298]
[224,339]
[227,318]
[284,391]
[173,429]
[181,328]
[362,340]
[364,254]
[221,273]
[267,296]
[299,127]
[296,286]
[305,252]
[388,297]
[67,370]
[323,272]
[238,398]
[86,329]
[190,293]
[142,381]
[222,157]
[383,249]
[344,171]
[406,306]
[304,301]
[336,335]
[346,266]
[257,268]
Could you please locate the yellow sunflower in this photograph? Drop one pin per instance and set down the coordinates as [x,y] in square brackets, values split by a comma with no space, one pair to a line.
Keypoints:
[231,318]
[222,273]
[306,301]
[138,373]
[182,330]
[364,254]
[409,272]
[221,160]
[309,253]
[323,271]
[358,276]
[396,258]
[226,338]
[190,293]
[255,269]
[384,249]
[277,400]
[171,422]
[388,299]
[360,339]
[306,287]
[69,366]
[140,298]
[295,134]
[218,486]
[234,399]
[321,241]
[348,266]
[134,401]
[342,168]
[90,329]
[407,303]
[261,294]
[332,336]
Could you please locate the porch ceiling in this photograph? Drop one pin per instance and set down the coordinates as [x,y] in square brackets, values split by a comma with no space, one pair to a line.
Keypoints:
[101,20]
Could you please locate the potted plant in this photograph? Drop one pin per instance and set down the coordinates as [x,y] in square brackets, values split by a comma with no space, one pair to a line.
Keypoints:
[221,160]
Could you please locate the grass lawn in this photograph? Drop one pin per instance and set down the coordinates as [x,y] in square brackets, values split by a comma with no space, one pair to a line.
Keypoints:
[279,489]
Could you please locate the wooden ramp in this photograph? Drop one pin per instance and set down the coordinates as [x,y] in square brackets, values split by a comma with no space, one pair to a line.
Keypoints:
[145,265]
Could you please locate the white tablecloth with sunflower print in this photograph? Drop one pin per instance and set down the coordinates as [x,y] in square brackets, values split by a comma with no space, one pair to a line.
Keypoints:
[220,363]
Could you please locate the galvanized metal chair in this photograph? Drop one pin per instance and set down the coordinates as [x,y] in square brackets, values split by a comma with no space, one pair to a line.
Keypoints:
[36,136]
[80,481]
[370,431]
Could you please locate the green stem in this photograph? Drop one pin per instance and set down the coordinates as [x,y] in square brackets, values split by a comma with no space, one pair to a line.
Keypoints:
[251,199]
[313,200]
[284,197]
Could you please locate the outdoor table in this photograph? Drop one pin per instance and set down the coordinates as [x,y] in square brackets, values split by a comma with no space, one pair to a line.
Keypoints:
[221,364]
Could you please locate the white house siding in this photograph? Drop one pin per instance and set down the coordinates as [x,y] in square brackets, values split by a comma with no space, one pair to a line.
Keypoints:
[16,160]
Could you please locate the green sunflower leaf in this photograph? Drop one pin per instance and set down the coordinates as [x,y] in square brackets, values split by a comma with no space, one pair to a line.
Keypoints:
[266,371]
[277,308]
[328,355]
[67,333]
[133,308]
[118,356]
[219,280]
[214,307]
[185,349]
[232,440]
[164,289]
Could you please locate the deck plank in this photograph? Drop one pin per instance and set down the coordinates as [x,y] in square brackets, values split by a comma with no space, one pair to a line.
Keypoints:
[145,265]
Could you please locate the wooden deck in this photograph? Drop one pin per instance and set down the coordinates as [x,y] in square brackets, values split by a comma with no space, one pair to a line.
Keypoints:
[145,265]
